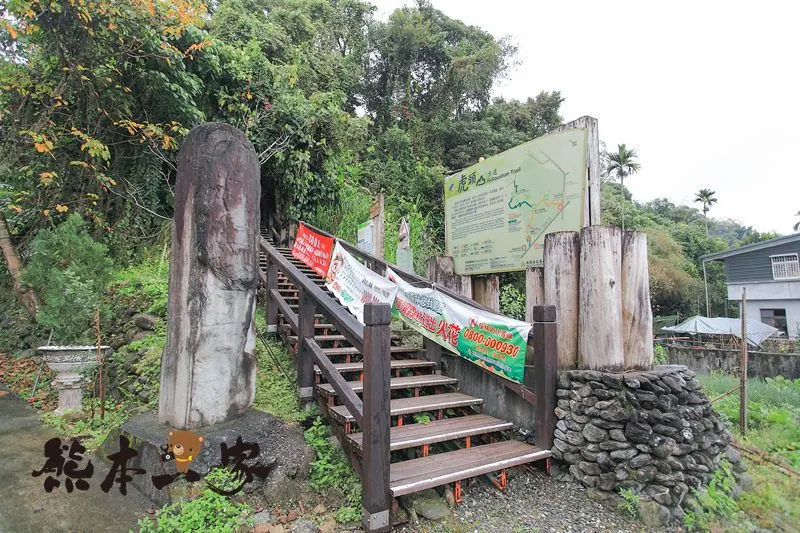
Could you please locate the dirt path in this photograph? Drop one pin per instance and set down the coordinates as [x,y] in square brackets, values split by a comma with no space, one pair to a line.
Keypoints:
[24,504]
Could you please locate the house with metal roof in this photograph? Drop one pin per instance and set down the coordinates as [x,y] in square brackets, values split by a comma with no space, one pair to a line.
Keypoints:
[770,271]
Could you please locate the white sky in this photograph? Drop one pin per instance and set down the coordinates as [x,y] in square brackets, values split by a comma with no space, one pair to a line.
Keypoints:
[707,91]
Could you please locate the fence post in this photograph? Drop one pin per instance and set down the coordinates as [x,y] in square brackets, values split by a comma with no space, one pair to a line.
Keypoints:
[305,359]
[743,377]
[541,372]
[272,305]
[377,420]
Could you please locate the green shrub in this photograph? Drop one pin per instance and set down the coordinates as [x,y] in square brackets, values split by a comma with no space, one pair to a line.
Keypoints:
[714,501]
[92,430]
[512,302]
[332,470]
[629,502]
[69,271]
[660,356]
[210,512]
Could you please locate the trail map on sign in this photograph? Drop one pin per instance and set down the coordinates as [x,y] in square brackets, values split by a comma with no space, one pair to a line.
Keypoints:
[498,211]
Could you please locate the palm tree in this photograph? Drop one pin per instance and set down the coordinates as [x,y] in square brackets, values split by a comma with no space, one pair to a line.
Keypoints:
[707,197]
[622,163]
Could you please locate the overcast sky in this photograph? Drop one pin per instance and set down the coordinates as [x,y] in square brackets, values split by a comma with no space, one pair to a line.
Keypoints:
[707,91]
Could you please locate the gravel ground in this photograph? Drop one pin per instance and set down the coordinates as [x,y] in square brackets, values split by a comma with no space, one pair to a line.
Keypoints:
[532,502]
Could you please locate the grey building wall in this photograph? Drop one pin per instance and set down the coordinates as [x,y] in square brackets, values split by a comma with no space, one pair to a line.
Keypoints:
[771,295]
[756,265]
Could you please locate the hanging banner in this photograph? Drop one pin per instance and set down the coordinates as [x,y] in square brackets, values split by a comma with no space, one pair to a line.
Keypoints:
[313,249]
[493,342]
[355,285]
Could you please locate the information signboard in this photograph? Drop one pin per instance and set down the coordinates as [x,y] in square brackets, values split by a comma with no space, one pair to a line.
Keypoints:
[498,211]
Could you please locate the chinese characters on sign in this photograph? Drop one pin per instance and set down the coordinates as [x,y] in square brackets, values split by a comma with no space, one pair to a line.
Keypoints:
[182,447]
[498,211]
[313,249]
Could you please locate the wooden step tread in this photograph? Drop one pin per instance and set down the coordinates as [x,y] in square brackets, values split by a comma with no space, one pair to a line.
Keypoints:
[413,435]
[396,364]
[434,470]
[351,350]
[406,382]
[419,404]
[316,325]
[320,338]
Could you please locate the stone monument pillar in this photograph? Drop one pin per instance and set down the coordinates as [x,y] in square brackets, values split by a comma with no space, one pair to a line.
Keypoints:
[208,367]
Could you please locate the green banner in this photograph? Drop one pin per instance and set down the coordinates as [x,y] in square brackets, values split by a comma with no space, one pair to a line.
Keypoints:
[493,342]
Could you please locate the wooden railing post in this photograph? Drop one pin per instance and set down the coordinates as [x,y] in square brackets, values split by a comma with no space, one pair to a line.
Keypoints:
[272,305]
[541,372]
[305,359]
[377,421]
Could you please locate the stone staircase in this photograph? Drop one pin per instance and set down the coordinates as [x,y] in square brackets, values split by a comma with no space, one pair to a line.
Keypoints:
[438,434]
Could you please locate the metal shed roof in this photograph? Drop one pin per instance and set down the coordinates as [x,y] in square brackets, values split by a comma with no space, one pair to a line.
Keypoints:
[757,332]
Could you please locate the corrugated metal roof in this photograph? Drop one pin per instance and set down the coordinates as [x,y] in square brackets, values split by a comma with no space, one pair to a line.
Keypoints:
[751,247]
[757,332]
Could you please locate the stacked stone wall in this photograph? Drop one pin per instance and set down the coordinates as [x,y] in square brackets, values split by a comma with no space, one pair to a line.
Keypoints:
[653,432]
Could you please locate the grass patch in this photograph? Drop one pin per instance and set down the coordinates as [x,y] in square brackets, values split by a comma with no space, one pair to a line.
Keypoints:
[92,431]
[210,512]
[276,392]
[773,501]
[332,470]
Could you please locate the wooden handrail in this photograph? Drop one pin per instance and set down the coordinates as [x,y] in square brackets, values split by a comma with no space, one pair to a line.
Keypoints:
[345,391]
[288,314]
[341,319]
[410,277]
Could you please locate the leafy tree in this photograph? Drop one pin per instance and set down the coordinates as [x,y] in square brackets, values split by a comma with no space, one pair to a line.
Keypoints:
[708,198]
[622,164]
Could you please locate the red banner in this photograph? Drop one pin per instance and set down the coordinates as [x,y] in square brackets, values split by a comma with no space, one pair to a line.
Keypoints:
[313,249]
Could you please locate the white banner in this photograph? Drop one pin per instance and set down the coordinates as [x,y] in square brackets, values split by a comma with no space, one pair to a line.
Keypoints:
[355,285]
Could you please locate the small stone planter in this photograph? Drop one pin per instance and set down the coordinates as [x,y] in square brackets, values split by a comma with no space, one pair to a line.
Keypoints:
[68,362]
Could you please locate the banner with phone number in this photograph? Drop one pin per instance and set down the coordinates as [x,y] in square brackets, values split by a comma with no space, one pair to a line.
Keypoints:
[493,342]
[313,249]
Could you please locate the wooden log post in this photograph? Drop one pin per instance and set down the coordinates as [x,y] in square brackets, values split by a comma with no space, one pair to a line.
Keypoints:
[534,291]
[377,421]
[272,305]
[305,359]
[561,282]
[486,290]
[600,344]
[440,270]
[541,372]
[637,315]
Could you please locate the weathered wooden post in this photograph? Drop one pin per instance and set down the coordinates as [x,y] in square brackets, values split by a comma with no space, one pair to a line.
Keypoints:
[600,313]
[743,376]
[208,368]
[305,359]
[561,282]
[377,420]
[440,270]
[272,305]
[637,315]
[534,290]
[486,291]
[541,372]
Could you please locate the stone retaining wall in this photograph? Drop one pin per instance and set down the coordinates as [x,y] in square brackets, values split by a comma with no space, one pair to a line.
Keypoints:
[759,364]
[653,432]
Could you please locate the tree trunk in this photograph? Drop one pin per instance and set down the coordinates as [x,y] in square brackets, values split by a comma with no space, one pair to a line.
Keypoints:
[534,290]
[637,316]
[600,313]
[561,280]
[25,296]
[622,187]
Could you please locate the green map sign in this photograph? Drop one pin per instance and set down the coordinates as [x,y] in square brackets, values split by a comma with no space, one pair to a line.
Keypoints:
[498,211]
